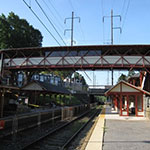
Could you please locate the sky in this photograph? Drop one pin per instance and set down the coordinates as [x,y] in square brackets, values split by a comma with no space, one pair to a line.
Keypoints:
[91,30]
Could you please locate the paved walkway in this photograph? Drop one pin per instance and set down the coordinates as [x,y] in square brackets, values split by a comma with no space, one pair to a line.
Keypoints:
[126,133]
[120,133]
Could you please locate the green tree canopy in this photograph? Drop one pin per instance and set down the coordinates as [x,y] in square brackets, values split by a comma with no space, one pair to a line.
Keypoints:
[79,77]
[122,77]
[131,73]
[16,33]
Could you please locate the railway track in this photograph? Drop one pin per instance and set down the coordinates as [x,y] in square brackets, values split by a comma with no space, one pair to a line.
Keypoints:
[62,137]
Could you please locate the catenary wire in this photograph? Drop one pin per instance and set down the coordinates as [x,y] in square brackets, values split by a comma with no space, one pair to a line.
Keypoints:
[127,8]
[126,13]
[58,20]
[50,21]
[41,22]
[55,10]
[83,36]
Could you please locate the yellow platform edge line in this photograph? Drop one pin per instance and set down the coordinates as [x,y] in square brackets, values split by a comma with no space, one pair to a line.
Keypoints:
[102,115]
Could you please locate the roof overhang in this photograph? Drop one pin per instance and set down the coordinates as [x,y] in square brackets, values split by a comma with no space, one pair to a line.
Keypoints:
[44,87]
[118,88]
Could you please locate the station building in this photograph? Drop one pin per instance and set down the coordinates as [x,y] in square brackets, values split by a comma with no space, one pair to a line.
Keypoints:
[130,99]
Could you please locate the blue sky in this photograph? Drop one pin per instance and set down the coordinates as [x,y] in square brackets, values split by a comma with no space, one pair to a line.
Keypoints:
[91,30]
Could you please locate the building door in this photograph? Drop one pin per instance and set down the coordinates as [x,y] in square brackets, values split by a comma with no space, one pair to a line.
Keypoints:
[124,105]
[132,105]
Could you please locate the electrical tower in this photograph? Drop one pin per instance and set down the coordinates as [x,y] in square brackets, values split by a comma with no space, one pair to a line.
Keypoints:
[112,28]
[72,26]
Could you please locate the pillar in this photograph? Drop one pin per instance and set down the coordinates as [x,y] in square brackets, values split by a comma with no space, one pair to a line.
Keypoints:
[1,103]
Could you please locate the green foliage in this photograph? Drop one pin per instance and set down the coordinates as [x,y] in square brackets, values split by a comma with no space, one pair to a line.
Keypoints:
[16,33]
[64,74]
[61,74]
[130,73]
[101,98]
[122,77]
[79,77]
[68,100]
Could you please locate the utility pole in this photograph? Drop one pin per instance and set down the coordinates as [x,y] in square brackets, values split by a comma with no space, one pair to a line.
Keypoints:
[72,26]
[112,28]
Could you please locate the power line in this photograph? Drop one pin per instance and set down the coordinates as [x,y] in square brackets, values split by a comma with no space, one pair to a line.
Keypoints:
[82,35]
[102,5]
[127,8]
[71,5]
[53,14]
[126,13]
[42,23]
[50,21]
[113,3]
[55,10]
[72,37]
[123,6]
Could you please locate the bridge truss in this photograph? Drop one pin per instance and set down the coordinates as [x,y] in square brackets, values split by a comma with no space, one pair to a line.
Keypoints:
[77,57]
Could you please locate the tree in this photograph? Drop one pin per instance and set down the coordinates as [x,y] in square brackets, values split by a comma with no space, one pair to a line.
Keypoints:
[122,77]
[79,77]
[131,73]
[61,74]
[16,33]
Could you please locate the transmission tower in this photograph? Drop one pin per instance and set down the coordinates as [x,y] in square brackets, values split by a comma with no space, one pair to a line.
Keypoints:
[112,28]
[72,26]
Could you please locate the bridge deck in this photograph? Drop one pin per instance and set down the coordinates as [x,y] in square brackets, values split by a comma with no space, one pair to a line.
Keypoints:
[78,57]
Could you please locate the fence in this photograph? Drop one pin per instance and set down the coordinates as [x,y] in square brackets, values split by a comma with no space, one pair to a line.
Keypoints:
[12,125]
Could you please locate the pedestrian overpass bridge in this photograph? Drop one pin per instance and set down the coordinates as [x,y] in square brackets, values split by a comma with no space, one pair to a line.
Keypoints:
[77,57]
[98,90]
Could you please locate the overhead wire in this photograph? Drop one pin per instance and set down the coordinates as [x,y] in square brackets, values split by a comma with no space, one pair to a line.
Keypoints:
[127,8]
[102,5]
[83,34]
[41,22]
[113,3]
[71,4]
[83,39]
[29,6]
[123,6]
[55,10]
[50,21]
[121,14]
[126,13]
[53,14]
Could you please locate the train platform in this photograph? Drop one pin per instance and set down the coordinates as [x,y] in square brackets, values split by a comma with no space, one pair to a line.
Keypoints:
[96,140]
[119,133]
